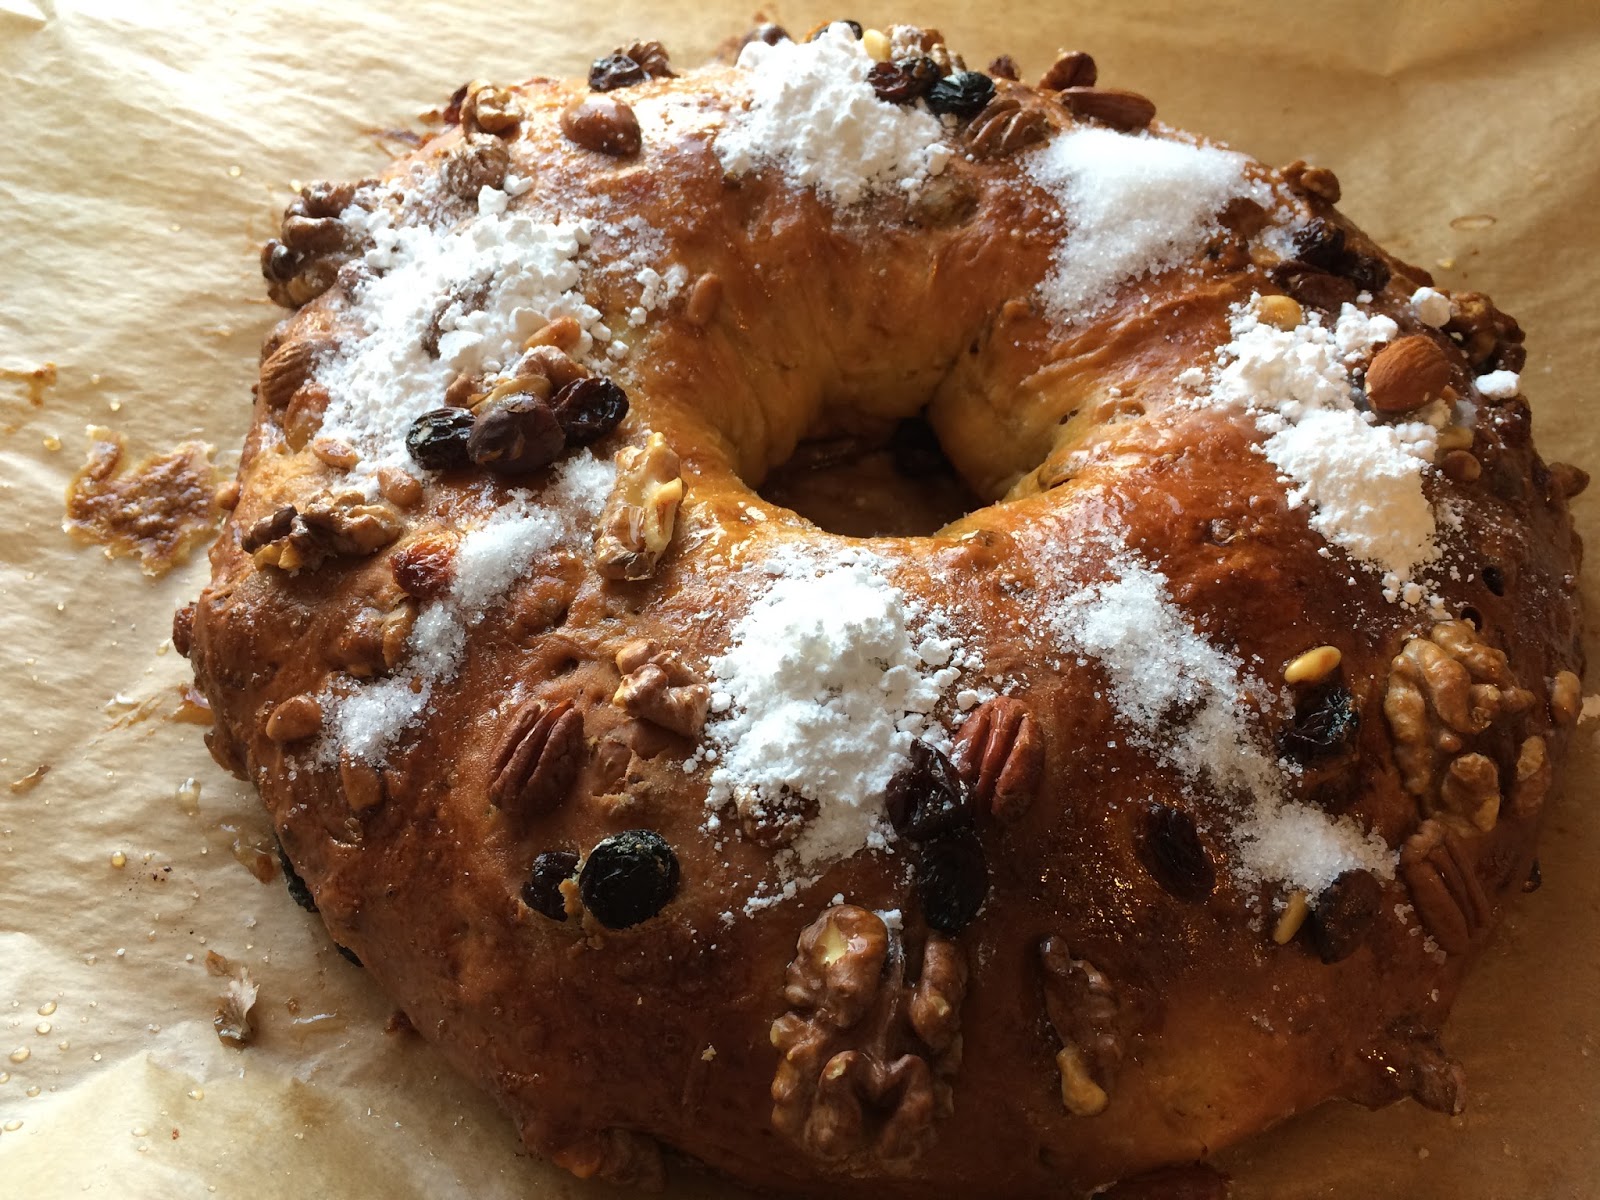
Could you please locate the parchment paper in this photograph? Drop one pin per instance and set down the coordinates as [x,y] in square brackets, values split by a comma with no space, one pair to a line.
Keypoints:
[149,149]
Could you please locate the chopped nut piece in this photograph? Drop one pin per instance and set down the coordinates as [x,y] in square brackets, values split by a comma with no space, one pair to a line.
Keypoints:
[1313,666]
[395,633]
[636,525]
[705,297]
[303,415]
[876,43]
[1461,466]
[332,524]
[295,719]
[1313,181]
[490,108]
[335,452]
[362,785]
[1566,698]
[399,488]
[1073,69]
[658,686]
[1080,1094]
[1290,920]
[477,161]
[1455,437]
[1281,312]
[564,333]
[1533,778]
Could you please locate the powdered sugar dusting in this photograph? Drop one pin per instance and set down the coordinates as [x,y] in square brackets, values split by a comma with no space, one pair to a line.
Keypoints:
[813,113]
[827,680]
[1134,205]
[484,286]
[363,720]
[1362,480]
[1184,701]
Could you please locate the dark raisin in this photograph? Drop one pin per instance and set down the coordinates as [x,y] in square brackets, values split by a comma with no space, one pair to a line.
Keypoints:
[1312,285]
[542,892]
[437,440]
[298,891]
[1494,579]
[928,796]
[628,878]
[1172,852]
[1321,244]
[588,409]
[1366,272]
[278,262]
[615,71]
[1535,879]
[518,436]
[767,33]
[1004,67]
[452,109]
[348,955]
[1325,725]
[902,81]
[1344,913]
[963,94]
[1472,617]
[183,629]
[855,28]
[952,880]
[916,451]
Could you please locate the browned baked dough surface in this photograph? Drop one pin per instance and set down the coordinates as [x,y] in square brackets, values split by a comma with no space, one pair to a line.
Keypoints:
[834,320]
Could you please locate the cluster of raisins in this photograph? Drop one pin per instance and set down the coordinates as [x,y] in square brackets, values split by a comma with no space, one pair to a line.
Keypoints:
[520,434]
[627,878]
[930,804]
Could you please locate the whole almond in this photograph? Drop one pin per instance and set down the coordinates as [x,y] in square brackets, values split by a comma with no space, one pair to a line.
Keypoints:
[603,124]
[1407,373]
[288,367]
[1124,111]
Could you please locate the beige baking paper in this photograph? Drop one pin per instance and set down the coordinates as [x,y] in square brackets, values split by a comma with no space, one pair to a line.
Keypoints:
[149,148]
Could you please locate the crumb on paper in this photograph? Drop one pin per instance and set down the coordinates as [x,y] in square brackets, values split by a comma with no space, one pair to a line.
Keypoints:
[233,1023]
[35,379]
[158,512]
[29,781]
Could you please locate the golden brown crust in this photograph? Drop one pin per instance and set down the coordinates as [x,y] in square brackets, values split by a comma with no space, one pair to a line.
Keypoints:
[1120,1003]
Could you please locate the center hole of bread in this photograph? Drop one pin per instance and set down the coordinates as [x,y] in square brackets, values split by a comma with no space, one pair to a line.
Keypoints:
[897,484]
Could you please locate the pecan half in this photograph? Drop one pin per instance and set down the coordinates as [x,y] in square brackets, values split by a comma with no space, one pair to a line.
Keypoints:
[538,757]
[1444,887]
[846,1087]
[1000,752]
[1005,126]
[636,525]
[1073,69]
[658,686]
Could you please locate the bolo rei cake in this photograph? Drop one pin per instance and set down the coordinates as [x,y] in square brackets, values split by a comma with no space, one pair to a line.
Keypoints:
[1165,787]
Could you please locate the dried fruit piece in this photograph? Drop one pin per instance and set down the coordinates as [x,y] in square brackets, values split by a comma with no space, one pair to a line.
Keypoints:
[604,125]
[615,70]
[1325,725]
[1123,111]
[1344,914]
[1171,850]
[928,796]
[588,409]
[960,94]
[952,880]
[1000,752]
[628,878]
[298,891]
[1407,373]
[636,526]
[1073,69]
[905,80]
[437,440]
[538,757]
[425,568]
[542,892]
[516,436]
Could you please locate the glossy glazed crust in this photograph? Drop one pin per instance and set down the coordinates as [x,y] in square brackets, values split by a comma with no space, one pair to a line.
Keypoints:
[846,321]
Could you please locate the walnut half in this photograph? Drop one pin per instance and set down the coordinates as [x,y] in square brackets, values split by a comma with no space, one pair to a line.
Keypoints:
[636,525]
